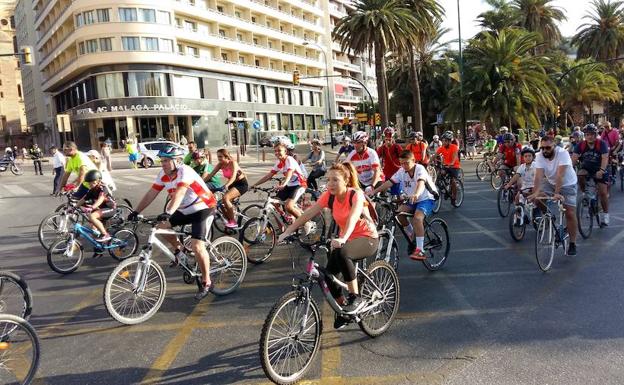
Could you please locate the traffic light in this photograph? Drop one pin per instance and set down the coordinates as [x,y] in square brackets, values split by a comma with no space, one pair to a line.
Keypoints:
[26,55]
[296,77]
[558,111]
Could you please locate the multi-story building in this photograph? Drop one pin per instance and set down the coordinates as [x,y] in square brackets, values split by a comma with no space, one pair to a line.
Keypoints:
[13,127]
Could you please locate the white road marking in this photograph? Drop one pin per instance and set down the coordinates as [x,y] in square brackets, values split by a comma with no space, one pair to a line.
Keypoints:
[16,190]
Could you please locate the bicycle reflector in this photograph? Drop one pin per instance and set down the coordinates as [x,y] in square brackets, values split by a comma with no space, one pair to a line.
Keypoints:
[124,274]
[4,345]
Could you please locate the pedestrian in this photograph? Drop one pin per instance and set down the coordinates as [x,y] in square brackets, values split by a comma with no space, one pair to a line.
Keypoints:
[107,178]
[133,153]
[24,154]
[183,140]
[58,164]
[471,141]
[36,154]
[105,151]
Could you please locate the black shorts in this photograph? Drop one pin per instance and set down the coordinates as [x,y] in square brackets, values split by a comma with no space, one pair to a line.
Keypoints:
[453,172]
[590,174]
[241,186]
[288,192]
[200,222]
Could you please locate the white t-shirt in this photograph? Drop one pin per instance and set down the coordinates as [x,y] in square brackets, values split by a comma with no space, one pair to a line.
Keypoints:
[197,196]
[409,183]
[58,160]
[560,158]
[527,176]
[365,164]
[298,177]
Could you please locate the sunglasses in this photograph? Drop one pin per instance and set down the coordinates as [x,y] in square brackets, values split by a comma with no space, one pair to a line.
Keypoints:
[547,148]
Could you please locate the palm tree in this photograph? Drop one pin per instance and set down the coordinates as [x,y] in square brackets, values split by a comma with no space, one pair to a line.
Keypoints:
[377,27]
[586,83]
[500,17]
[601,38]
[541,17]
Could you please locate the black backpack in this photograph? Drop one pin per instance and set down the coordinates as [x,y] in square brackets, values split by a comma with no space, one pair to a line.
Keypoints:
[369,214]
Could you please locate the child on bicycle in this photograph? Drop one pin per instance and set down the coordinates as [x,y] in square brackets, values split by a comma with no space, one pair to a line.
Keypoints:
[98,203]
[524,176]
[358,238]
[417,184]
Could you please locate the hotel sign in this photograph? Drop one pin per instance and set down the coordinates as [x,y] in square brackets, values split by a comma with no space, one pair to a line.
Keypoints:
[132,107]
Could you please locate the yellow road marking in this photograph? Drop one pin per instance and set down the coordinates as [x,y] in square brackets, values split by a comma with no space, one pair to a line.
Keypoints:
[330,347]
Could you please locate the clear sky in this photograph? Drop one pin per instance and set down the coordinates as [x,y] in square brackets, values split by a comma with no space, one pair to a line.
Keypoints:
[470,9]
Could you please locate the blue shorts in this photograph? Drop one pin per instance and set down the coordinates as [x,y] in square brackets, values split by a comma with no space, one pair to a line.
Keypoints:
[395,189]
[425,206]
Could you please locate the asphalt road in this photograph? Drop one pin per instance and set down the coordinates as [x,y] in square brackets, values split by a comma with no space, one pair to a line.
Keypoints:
[489,317]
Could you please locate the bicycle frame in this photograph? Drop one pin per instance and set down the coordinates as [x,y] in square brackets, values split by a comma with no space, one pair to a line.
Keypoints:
[87,233]
[396,223]
[560,230]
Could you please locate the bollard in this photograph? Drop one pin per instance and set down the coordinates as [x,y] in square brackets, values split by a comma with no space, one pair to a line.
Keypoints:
[263,154]
[238,155]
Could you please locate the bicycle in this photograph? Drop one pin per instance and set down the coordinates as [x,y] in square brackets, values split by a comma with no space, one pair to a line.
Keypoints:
[443,183]
[551,234]
[524,212]
[291,332]
[259,235]
[483,168]
[588,209]
[136,288]
[19,350]
[66,255]
[15,296]
[436,245]
[504,199]
[496,181]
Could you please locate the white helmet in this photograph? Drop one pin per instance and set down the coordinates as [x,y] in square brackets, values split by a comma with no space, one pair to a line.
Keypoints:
[360,136]
[504,129]
[435,137]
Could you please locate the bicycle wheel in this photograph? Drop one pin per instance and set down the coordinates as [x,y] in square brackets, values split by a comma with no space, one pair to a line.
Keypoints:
[54,226]
[381,298]
[15,296]
[438,203]
[459,193]
[392,257]
[121,213]
[585,217]
[482,170]
[545,243]
[432,173]
[461,174]
[134,291]
[252,211]
[258,241]
[437,244]
[516,229]
[125,243]
[290,338]
[317,230]
[503,202]
[384,214]
[495,180]
[228,265]
[65,255]
[16,170]
[19,350]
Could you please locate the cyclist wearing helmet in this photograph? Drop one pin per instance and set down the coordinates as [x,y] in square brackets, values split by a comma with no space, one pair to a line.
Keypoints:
[501,133]
[191,202]
[235,184]
[389,153]
[366,162]
[593,154]
[204,169]
[508,156]
[419,148]
[525,175]
[449,154]
[98,202]
[435,144]
[316,157]
[345,148]
[79,163]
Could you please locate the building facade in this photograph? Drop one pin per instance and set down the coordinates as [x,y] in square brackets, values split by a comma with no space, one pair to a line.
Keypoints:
[13,128]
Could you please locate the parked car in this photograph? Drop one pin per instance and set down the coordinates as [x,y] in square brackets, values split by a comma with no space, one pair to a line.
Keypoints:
[149,151]
[338,137]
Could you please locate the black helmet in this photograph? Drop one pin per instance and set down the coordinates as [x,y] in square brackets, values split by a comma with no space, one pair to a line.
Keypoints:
[590,129]
[508,137]
[527,150]
[92,176]
[447,135]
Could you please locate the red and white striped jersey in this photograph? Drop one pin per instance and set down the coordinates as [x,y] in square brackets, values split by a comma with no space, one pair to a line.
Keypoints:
[365,164]
[197,197]
[290,164]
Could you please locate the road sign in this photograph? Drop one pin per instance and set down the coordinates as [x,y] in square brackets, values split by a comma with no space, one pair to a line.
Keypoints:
[439,118]
[241,125]
[256,124]
[377,118]
[325,122]
[361,117]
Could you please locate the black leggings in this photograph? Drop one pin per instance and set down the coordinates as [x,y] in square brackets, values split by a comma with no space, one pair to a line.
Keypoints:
[313,176]
[341,260]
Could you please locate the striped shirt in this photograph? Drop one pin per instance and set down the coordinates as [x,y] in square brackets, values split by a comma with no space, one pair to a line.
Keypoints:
[197,197]
[365,164]
[298,178]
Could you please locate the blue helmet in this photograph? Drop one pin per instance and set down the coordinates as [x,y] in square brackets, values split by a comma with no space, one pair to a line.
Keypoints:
[171,152]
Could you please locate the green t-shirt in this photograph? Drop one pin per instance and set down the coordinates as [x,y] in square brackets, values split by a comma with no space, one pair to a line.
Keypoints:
[207,168]
[188,159]
[490,145]
[75,162]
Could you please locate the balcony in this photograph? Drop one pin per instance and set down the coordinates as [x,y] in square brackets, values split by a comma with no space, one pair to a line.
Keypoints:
[348,98]
[336,11]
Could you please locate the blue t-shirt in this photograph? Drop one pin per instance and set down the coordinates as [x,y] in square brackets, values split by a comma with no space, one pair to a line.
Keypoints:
[346,149]
[591,156]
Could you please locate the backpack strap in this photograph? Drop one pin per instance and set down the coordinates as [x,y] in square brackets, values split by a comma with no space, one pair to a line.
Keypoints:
[330,202]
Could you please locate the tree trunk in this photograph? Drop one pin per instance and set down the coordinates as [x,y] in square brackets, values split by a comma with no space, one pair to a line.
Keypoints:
[382,89]
[416,103]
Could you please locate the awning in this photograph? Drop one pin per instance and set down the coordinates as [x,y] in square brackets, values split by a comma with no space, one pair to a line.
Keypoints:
[347,108]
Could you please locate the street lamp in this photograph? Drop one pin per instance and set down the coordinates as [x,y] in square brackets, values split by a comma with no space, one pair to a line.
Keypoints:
[461,77]
[331,129]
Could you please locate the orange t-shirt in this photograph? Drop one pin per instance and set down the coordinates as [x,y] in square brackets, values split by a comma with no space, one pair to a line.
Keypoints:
[417,149]
[341,212]
[447,155]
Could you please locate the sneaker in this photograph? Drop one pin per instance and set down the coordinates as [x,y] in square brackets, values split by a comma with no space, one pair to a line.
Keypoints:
[104,238]
[308,227]
[571,249]
[340,322]
[354,303]
[418,255]
[203,291]
[605,219]
[231,224]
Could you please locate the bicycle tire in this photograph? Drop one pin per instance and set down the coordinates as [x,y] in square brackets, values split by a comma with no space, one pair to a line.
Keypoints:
[482,170]
[584,218]
[16,170]
[432,173]
[459,193]
[52,227]
[387,280]
[382,251]
[126,251]
[252,211]
[58,249]
[545,243]
[274,320]
[121,213]
[113,291]
[437,244]
[22,339]
[253,237]
[385,213]
[503,203]
[318,232]
[495,180]
[232,254]
[7,281]
[438,203]
[516,232]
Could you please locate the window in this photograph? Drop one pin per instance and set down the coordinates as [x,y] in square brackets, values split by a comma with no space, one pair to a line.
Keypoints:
[89,17]
[239,37]
[273,121]
[147,84]
[81,48]
[253,19]
[219,9]
[166,45]
[79,20]
[256,93]
[193,51]
[241,59]
[306,98]
[1,94]
[19,91]
[296,97]
[110,86]
[237,14]
[190,25]
[317,99]
[106,44]
[91,45]
[241,94]
[103,15]
[257,63]
[180,49]
[224,56]
[224,90]
[147,15]
[150,44]
[127,14]
[163,17]
[270,95]
[284,96]
[130,43]
[255,41]
[186,87]
[270,46]
[222,32]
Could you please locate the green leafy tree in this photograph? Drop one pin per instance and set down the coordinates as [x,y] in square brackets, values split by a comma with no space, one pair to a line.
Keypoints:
[602,37]
[540,16]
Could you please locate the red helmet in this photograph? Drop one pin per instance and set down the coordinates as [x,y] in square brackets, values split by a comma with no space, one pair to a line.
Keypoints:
[388,131]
